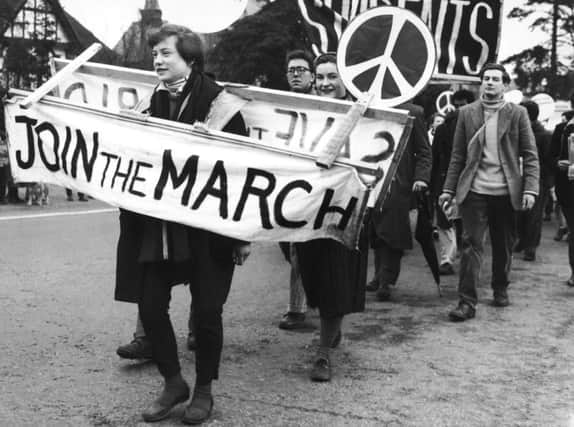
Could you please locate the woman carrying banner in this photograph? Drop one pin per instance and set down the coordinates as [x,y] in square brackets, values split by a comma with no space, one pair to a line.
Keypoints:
[333,276]
[153,255]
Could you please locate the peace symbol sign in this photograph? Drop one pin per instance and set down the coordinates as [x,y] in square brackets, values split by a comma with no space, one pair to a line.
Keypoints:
[444,103]
[387,51]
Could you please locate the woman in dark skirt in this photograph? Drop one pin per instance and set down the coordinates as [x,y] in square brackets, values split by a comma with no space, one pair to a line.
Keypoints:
[334,277]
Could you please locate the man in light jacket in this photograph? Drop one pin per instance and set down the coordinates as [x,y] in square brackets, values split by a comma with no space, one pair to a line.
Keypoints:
[485,176]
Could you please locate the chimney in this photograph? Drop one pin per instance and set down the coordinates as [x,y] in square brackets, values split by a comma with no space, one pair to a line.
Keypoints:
[151,5]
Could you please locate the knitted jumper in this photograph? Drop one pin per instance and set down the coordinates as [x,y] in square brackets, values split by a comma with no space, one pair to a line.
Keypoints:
[489,178]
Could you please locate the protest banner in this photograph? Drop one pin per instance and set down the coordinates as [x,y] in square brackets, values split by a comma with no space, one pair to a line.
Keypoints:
[212,180]
[294,123]
[466,33]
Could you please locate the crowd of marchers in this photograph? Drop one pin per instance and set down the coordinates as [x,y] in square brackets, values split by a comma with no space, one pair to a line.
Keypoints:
[487,165]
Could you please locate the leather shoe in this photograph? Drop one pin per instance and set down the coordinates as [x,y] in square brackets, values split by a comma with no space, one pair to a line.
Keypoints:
[160,408]
[191,342]
[337,340]
[372,286]
[445,269]
[562,231]
[518,247]
[321,370]
[292,321]
[139,348]
[570,281]
[529,255]
[500,300]
[384,292]
[462,312]
[199,409]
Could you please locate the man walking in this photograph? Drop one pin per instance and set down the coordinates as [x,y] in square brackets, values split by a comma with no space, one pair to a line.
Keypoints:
[485,175]
[300,76]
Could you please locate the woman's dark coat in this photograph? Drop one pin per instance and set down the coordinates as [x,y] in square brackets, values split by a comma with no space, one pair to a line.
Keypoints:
[140,238]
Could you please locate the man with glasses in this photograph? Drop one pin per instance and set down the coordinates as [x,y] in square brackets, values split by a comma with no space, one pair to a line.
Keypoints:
[300,73]
[300,77]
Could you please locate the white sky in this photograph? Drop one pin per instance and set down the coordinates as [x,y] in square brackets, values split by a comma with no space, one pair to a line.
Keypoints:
[109,19]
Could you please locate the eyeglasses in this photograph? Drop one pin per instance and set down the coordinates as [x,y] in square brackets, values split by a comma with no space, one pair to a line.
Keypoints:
[297,70]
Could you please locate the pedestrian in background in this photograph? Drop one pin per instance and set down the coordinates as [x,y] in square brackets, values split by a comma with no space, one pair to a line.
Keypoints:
[529,223]
[449,229]
[559,158]
[300,77]
[389,228]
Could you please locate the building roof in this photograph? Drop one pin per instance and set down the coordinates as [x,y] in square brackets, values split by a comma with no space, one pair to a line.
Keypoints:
[86,38]
[8,11]
[79,36]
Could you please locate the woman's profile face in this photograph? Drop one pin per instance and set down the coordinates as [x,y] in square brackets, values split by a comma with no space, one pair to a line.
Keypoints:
[167,62]
[328,82]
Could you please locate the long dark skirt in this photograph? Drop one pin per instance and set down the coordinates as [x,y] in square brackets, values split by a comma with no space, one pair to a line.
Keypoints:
[334,277]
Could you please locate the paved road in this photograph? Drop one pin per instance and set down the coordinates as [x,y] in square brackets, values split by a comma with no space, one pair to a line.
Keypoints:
[400,363]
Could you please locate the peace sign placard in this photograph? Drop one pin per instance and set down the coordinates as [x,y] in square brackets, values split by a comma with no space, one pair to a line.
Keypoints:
[386,51]
[444,103]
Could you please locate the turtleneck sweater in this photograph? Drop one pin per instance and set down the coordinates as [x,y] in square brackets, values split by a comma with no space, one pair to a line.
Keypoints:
[489,178]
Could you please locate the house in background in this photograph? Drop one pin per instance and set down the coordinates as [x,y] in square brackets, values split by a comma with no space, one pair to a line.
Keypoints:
[33,31]
[132,48]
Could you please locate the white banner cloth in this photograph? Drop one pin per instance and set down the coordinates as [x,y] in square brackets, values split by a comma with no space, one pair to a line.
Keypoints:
[290,121]
[168,170]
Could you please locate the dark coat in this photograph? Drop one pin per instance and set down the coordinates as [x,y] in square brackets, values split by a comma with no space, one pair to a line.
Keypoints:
[392,223]
[515,141]
[543,138]
[441,149]
[559,151]
[141,237]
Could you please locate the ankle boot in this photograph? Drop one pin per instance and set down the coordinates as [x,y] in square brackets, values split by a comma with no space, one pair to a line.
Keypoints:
[201,405]
[175,391]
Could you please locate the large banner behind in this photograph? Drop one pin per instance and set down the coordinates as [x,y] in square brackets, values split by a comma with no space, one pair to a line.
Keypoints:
[291,122]
[466,32]
[169,170]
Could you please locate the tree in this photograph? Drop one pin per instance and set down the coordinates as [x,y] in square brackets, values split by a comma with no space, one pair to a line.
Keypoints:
[253,49]
[555,17]
[27,62]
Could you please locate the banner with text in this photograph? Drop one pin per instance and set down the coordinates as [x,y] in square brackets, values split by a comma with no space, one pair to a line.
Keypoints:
[171,171]
[291,122]
[466,33]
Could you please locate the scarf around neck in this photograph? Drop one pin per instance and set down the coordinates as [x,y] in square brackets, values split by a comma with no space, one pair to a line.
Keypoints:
[176,86]
[492,104]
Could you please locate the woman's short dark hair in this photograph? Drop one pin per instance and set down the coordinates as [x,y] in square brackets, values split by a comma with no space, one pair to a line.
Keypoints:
[305,55]
[188,43]
[493,66]
[325,58]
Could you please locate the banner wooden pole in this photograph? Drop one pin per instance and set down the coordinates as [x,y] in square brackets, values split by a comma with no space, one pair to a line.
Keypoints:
[63,74]
[343,130]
